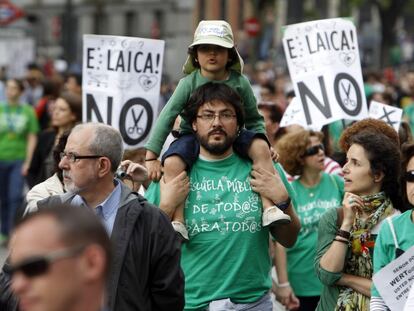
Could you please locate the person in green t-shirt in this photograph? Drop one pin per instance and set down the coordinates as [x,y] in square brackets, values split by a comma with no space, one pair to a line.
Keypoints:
[212,57]
[395,238]
[18,128]
[226,261]
[301,153]
[346,236]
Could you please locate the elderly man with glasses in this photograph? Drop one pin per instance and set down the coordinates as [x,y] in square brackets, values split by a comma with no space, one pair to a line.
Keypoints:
[146,273]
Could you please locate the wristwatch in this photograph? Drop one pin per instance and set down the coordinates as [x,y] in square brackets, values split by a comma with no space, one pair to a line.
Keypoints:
[284,204]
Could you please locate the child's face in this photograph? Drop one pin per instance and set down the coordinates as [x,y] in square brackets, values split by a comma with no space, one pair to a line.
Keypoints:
[212,59]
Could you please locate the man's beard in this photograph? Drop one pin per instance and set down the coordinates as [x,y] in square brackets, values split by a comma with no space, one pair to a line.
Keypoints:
[216,148]
[70,185]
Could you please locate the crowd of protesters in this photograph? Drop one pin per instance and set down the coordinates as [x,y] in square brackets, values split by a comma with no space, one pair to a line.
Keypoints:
[344,193]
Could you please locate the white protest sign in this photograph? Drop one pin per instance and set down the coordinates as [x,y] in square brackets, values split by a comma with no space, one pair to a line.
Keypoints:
[394,281]
[121,84]
[325,69]
[390,114]
[294,115]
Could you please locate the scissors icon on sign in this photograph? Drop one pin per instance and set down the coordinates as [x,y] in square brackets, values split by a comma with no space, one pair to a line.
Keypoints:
[348,101]
[136,128]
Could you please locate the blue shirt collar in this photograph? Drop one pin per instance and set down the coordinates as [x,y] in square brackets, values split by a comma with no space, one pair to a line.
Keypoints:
[109,205]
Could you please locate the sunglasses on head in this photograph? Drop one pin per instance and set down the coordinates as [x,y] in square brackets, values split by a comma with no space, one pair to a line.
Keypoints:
[409,176]
[313,150]
[39,265]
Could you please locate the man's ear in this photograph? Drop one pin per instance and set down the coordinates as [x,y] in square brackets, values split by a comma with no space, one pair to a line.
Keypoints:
[104,166]
[194,126]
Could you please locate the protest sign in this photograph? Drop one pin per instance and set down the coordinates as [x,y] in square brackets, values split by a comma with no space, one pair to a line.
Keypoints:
[325,69]
[390,114]
[394,281]
[294,115]
[121,84]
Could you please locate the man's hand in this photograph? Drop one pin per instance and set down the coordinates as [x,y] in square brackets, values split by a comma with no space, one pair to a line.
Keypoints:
[274,155]
[174,193]
[268,184]
[137,171]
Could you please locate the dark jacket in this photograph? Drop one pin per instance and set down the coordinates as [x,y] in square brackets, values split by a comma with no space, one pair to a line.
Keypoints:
[146,273]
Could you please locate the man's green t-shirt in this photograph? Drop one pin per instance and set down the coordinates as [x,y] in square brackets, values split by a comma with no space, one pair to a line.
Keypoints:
[16,122]
[311,204]
[227,255]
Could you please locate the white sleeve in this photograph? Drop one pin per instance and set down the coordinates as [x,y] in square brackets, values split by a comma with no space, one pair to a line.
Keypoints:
[377,304]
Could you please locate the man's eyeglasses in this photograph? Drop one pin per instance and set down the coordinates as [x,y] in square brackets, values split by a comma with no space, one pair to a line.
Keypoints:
[409,176]
[313,150]
[74,157]
[38,265]
[210,117]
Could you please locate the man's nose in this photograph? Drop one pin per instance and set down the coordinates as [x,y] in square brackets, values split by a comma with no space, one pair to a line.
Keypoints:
[63,163]
[217,120]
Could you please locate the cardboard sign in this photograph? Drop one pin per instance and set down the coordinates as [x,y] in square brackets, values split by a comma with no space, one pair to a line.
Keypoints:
[394,281]
[121,84]
[390,114]
[294,115]
[325,69]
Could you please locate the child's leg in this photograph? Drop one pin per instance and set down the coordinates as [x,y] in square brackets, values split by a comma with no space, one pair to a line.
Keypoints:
[259,152]
[181,155]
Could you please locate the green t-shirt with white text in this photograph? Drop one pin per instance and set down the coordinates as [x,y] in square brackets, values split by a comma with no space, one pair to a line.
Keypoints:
[227,255]
[311,204]
[384,250]
[16,122]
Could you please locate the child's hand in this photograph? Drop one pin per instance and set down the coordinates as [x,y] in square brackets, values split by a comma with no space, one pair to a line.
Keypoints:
[274,154]
[154,170]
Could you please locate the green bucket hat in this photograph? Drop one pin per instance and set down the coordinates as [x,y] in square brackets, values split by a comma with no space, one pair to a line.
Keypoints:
[215,32]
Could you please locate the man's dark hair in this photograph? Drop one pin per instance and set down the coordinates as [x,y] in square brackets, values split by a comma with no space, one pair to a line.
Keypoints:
[78,227]
[213,91]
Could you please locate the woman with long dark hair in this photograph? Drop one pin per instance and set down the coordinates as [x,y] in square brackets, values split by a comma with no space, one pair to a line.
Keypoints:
[67,112]
[346,236]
